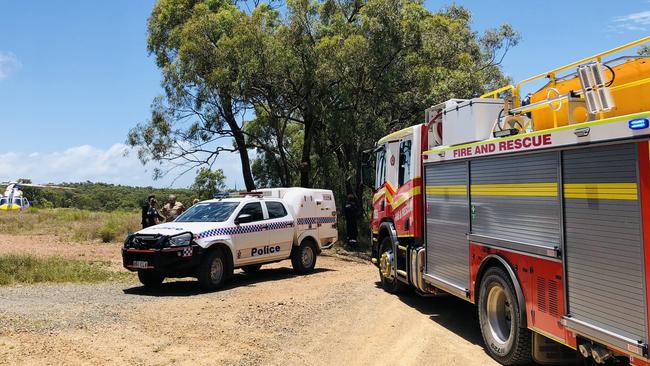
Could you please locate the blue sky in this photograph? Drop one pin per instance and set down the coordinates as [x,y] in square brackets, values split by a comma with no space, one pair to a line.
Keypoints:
[75,76]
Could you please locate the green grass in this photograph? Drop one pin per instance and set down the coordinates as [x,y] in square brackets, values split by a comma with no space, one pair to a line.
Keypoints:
[71,224]
[20,268]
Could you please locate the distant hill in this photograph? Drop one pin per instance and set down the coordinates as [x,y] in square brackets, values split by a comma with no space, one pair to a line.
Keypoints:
[102,196]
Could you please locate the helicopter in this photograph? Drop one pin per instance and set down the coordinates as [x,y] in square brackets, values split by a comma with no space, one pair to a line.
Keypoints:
[13,199]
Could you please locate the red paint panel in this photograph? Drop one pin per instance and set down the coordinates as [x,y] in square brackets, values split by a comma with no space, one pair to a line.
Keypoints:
[644,188]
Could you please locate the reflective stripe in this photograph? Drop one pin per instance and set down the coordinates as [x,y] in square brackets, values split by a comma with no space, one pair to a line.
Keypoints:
[403,197]
[603,191]
[516,189]
[453,190]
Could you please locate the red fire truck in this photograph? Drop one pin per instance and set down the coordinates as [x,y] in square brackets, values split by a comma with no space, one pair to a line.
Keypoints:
[535,210]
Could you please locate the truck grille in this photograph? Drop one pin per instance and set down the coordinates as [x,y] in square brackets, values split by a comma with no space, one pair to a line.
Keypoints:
[146,241]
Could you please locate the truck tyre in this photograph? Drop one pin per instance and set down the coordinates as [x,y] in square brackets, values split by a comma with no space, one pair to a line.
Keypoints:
[507,340]
[303,257]
[251,268]
[213,270]
[150,278]
[386,268]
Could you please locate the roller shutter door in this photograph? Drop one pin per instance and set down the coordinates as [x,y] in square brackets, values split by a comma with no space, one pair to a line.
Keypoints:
[516,199]
[447,220]
[603,240]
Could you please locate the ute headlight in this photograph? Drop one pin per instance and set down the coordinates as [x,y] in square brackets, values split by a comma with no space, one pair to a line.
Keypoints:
[180,240]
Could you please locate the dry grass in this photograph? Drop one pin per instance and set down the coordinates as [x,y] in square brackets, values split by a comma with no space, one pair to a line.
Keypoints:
[71,224]
[20,268]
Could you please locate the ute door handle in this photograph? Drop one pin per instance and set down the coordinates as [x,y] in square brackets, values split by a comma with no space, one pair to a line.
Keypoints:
[265,226]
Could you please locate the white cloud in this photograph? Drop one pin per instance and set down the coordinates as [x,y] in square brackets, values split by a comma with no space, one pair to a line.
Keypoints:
[118,165]
[632,22]
[8,64]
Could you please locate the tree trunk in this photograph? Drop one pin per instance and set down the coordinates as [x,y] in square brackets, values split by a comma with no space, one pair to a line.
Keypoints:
[305,161]
[240,141]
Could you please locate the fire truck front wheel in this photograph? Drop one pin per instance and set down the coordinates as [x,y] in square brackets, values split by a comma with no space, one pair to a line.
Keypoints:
[386,268]
[507,340]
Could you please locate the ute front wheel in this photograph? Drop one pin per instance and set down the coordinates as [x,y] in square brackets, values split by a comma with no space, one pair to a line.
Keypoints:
[150,278]
[212,270]
[387,268]
[507,340]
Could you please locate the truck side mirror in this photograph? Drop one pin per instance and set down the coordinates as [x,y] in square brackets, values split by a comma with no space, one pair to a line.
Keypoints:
[243,218]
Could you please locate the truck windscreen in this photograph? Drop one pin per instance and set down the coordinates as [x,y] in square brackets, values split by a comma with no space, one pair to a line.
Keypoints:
[208,212]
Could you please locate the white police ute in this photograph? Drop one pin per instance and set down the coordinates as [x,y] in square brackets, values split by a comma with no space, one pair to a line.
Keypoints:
[214,237]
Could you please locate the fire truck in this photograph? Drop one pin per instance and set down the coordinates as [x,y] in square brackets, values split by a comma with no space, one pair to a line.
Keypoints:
[535,209]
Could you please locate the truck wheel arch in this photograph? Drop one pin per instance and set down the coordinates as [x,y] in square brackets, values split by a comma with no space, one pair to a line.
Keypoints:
[227,251]
[309,237]
[386,228]
[494,260]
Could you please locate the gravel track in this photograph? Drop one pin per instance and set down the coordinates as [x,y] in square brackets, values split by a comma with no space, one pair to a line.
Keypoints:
[336,315]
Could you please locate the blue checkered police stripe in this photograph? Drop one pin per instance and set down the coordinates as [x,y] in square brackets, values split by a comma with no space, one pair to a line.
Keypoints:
[244,229]
[316,220]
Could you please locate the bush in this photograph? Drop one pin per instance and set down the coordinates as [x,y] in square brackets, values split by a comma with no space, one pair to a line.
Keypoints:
[20,268]
[110,231]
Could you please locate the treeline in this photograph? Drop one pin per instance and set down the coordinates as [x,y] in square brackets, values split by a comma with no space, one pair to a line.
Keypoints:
[318,82]
[101,196]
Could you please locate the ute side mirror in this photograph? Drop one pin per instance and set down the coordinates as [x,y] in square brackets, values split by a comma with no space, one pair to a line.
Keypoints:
[243,218]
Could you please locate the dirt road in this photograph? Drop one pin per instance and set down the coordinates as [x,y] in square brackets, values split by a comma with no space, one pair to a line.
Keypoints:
[336,315]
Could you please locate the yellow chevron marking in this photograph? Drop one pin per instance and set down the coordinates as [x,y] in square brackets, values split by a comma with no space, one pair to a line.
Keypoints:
[378,195]
[516,190]
[603,191]
[453,190]
[403,197]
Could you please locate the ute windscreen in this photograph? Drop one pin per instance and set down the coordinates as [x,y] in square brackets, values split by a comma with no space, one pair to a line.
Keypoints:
[208,212]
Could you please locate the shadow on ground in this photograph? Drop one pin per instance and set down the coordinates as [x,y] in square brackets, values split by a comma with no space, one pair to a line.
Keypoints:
[455,314]
[190,287]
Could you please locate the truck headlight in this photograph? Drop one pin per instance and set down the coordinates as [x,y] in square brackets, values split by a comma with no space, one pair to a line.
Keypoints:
[180,240]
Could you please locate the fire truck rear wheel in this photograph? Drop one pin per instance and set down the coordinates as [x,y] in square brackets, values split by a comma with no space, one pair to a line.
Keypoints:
[150,278]
[252,268]
[303,257]
[386,268]
[507,340]
[213,270]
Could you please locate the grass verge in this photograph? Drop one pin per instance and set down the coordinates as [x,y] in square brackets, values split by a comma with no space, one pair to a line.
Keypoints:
[71,224]
[21,268]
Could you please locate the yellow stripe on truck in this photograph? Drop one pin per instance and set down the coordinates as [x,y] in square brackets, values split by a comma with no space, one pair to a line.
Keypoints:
[403,197]
[516,190]
[602,191]
[454,190]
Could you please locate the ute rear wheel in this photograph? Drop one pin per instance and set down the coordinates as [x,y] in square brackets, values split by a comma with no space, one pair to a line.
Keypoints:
[387,268]
[251,268]
[303,257]
[507,340]
[213,270]
[150,278]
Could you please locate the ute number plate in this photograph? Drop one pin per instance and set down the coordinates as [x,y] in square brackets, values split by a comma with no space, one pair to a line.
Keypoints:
[140,264]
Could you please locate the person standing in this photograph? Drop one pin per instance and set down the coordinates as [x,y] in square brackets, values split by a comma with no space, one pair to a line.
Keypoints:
[172,208]
[153,216]
[145,210]
[351,212]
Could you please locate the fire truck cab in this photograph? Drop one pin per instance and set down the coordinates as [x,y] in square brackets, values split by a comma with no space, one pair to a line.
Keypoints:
[535,210]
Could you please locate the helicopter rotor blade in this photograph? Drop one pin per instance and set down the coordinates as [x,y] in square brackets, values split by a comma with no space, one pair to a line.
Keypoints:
[37,185]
